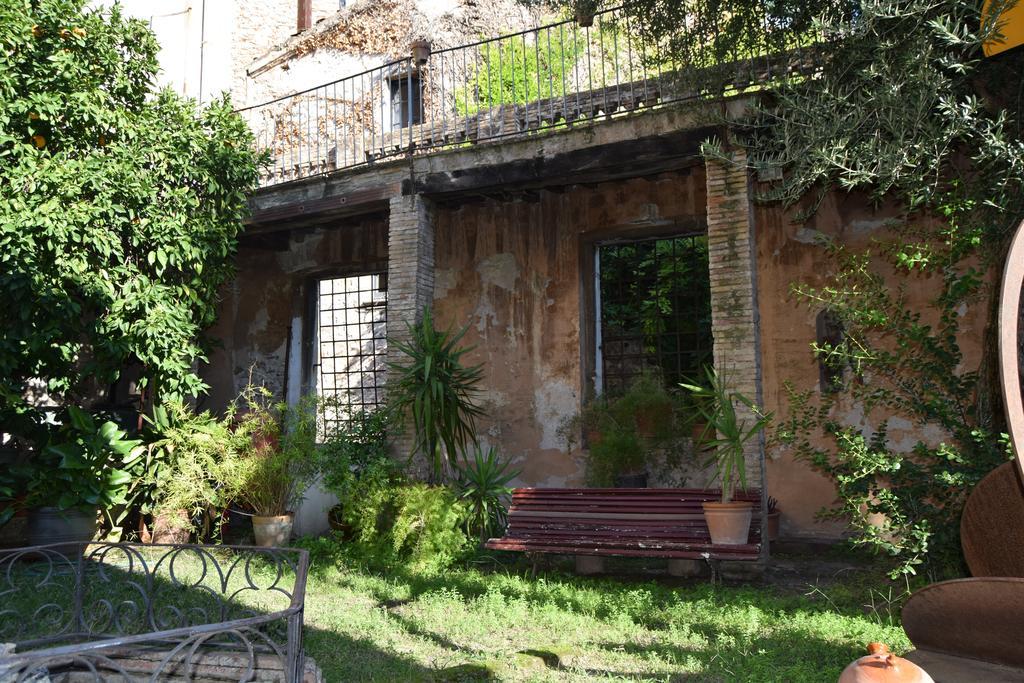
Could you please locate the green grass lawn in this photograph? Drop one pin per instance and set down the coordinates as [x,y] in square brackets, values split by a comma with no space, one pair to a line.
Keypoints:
[496,623]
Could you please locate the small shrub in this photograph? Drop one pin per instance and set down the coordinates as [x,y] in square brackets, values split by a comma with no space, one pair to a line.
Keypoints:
[427,534]
[483,485]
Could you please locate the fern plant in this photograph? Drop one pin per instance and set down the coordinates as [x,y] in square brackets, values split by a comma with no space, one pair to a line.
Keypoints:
[437,392]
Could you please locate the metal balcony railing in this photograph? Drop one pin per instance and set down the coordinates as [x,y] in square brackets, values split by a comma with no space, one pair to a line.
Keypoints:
[562,75]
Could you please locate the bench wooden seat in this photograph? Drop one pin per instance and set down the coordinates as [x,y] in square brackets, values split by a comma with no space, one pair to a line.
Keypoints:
[621,522]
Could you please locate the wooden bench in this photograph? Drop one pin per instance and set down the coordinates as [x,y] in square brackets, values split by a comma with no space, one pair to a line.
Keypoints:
[621,522]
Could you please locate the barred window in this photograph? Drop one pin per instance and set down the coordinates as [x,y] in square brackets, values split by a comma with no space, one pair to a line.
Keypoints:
[350,367]
[654,310]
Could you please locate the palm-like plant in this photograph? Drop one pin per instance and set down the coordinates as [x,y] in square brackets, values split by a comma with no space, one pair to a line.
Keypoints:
[483,484]
[726,432]
[437,392]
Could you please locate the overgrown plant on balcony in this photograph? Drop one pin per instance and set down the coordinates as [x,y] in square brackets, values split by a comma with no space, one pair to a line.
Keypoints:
[436,394]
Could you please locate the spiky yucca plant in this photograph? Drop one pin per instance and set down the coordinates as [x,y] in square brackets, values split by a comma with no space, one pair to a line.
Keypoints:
[437,392]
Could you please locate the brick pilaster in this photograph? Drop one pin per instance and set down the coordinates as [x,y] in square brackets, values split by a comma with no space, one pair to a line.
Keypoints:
[734,314]
[410,278]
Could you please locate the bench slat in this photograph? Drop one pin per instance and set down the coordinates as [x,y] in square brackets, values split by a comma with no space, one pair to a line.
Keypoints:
[717,552]
[623,522]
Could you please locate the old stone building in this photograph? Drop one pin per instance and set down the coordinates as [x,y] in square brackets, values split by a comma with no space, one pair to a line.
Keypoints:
[445,178]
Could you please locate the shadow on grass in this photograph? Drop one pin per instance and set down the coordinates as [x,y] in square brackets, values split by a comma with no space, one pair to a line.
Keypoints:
[142,593]
[728,649]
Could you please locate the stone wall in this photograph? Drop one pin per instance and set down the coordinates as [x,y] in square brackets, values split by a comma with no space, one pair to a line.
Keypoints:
[262,326]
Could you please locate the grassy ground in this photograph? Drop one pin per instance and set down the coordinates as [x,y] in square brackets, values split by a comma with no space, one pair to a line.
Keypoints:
[499,623]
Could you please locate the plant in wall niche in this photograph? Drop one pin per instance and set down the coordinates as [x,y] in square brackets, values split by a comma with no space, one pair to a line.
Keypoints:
[623,433]
[483,485]
[726,435]
[617,459]
[648,405]
[436,393]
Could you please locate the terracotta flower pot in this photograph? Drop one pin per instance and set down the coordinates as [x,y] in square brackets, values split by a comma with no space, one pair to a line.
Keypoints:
[170,527]
[419,50]
[881,666]
[273,531]
[772,525]
[729,523]
[650,422]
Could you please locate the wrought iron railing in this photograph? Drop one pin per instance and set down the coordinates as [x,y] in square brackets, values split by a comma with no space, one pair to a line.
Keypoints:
[565,74]
[104,611]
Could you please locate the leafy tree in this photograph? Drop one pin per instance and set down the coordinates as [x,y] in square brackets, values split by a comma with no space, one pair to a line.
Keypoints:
[119,207]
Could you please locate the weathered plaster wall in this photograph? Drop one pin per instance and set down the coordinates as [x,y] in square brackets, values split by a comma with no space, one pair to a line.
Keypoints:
[790,251]
[264,307]
[366,35]
[259,26]
[511,271]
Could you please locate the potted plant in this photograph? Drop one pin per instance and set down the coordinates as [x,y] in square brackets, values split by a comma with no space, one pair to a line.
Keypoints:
[584,11]
[619,459]
[277,467]
[350,454]
[419,50]
[726,435]
[198,455]
[649,406]
[80,472]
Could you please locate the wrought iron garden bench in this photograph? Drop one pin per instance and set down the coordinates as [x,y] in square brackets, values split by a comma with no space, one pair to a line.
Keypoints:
[665,523]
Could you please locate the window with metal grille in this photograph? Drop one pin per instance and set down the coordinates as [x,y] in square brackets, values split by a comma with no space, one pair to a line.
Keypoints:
[350,367]
[654,311]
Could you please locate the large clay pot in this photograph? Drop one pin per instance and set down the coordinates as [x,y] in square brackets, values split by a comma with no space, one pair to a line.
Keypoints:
[271,532]
[729,523]
[881,666]
[170,527]
[48,525]
[651,422]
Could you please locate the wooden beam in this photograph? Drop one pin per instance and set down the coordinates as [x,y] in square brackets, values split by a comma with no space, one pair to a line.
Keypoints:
[287,216]
[602,163]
